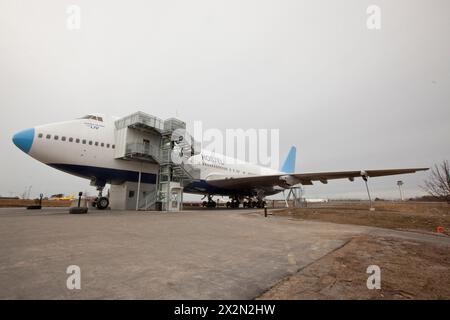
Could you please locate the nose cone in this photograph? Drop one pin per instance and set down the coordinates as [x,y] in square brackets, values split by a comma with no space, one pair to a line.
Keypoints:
[24,139]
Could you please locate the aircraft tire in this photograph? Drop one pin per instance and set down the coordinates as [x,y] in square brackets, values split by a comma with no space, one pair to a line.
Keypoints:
[102,203]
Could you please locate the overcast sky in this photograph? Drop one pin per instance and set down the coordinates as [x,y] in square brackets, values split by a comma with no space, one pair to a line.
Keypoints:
[348,97]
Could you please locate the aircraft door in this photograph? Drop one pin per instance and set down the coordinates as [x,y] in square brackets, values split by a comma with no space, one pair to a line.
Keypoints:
[176,200]
[146,144]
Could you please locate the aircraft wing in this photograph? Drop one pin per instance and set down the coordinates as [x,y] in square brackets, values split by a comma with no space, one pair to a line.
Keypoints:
[291,179]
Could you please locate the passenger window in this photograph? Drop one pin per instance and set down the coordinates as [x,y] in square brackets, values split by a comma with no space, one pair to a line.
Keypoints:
[102,144]
[113,146]
[96,143]
[70,139]
[77,140]
[107,145]
[90,143]
[40,135]
[63,138]
[49,136]
[100,119]
[84,141]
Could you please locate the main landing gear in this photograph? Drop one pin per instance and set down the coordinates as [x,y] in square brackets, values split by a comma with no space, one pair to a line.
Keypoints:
[210,203]
[254,204]
[101,202]
[234,203]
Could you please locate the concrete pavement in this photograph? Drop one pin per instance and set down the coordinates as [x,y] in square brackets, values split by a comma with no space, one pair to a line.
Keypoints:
[235,254]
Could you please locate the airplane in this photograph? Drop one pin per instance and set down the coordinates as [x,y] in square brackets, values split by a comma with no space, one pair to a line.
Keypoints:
[61,197]
[85,147]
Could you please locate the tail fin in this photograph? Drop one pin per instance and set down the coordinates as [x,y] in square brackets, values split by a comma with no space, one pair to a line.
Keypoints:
[289,164]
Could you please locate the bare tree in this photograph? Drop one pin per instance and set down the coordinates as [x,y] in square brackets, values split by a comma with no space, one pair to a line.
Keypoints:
[438,183]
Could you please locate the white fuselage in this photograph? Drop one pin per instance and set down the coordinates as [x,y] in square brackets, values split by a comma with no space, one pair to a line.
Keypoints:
[87,148]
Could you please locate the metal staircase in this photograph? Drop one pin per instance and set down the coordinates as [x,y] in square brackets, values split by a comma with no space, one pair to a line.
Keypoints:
[149,202]
[173,170]
[144,138]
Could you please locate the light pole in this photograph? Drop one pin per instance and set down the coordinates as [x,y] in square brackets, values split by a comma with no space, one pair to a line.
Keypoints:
[400,183]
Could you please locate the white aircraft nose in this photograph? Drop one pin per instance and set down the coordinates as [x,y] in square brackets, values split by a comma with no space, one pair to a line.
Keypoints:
[24,139]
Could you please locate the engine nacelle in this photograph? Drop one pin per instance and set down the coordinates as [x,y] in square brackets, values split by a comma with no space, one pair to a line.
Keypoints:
[290,180]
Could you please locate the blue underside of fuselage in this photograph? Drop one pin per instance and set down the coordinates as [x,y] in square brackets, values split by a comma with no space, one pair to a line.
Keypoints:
[202,187]
[117,176]
[105,175]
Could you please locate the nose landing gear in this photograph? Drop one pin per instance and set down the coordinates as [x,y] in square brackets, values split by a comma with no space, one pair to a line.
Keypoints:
[101,202]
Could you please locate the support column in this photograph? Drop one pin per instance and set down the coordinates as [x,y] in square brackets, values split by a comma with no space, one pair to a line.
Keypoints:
[368,193]
[285,200]
[138,188]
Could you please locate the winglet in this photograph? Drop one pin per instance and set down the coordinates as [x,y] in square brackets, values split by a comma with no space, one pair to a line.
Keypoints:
[289,164]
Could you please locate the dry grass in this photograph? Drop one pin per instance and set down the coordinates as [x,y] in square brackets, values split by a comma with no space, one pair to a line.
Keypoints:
[11,203]
[424,216]
[409,270]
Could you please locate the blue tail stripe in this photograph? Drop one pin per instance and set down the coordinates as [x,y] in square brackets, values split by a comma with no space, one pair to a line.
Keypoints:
[289,164]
